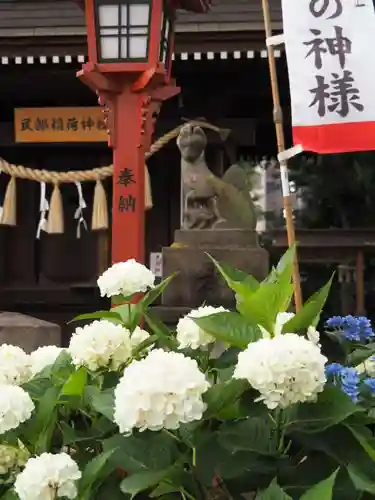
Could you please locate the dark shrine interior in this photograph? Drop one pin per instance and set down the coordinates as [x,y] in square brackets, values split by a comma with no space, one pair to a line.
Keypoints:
[59,269]
[216,90]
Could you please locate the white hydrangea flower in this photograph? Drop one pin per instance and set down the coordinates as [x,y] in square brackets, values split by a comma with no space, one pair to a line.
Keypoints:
[162,390]
[48,477]
[284,317]
[15,365]
[138,336]
[368,367]
[281,319]
[286,369]
[43,357]
[126,278]
[101,344]
[188,332]
[313,335]
[16,407]
[12,458]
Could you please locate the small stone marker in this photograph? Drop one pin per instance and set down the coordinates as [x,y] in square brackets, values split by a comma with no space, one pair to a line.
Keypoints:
[27,332]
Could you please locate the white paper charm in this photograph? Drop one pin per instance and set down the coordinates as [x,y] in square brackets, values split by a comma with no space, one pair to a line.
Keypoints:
[81,222]
[43,210]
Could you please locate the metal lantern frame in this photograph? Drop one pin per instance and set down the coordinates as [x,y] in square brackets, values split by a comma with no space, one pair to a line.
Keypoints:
[122,30]
[159,32]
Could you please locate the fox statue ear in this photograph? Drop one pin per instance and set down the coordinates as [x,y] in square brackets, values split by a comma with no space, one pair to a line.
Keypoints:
[192,135]
[200,136]
[185,131]
[198,131]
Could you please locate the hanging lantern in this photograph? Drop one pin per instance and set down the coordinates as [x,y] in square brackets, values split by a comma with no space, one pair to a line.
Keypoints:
[130,35]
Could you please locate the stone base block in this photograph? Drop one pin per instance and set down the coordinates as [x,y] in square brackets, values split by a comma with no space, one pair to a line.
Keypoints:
[199,282]
[216,238]
[27,332]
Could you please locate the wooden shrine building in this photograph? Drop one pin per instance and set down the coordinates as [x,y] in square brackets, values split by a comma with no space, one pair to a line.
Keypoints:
[220,61]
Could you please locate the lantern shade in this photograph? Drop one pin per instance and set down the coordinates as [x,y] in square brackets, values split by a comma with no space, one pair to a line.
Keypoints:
[123,30]
[130,36]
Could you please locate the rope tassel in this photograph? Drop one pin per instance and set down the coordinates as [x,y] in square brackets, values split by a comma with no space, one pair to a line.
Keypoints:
[55,223]
[100,208]
[148,192]
[9,214]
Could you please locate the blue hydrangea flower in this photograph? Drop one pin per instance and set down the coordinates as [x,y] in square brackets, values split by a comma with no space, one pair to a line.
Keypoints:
[349,378]
[333,369]
[370,384]
[346,378]
[354,328]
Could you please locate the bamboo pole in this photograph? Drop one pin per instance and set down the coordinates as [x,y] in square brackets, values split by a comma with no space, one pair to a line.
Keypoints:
[278,120]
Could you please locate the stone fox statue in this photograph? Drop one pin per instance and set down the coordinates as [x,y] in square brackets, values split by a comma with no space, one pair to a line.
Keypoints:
[211,202]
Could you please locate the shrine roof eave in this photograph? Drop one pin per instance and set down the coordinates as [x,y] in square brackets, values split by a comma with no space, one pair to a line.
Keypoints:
[197,6]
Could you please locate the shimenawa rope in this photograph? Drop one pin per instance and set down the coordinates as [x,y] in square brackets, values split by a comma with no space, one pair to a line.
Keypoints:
[55,222]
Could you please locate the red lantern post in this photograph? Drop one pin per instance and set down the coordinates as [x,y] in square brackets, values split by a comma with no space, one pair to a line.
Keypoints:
[130,46]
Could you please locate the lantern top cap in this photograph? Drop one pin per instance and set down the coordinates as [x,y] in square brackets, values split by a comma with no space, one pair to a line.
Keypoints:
[197,6]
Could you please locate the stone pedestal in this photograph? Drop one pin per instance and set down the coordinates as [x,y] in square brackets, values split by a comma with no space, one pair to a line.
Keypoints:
[27,332]
[198,281]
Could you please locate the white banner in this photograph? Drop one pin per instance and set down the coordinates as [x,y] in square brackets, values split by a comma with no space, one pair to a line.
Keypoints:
[331,63]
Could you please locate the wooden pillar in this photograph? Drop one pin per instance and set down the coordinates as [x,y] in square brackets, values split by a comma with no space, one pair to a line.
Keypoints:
[128,208]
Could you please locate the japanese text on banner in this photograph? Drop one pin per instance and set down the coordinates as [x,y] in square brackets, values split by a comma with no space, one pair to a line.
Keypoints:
[331,60]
